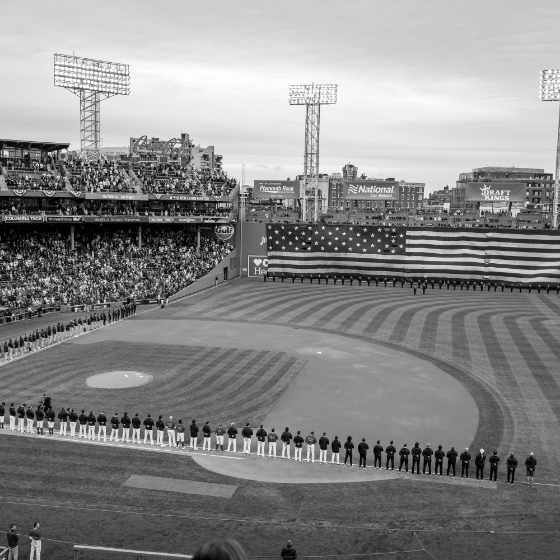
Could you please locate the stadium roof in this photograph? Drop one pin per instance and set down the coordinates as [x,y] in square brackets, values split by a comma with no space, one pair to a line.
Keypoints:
[28,144]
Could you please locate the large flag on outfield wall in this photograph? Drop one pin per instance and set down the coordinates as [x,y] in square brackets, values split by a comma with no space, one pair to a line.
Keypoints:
[497,256]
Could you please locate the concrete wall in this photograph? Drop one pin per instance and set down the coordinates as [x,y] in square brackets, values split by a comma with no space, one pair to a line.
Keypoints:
[214,277]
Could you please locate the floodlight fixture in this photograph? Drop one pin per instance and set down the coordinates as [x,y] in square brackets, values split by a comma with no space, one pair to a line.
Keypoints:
[549,90]
[312,96]
[92,81]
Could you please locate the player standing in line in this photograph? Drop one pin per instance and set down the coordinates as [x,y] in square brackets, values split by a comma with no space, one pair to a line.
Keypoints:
[377,453]
[136,424]
[40,415]
[451,460]
[102,421]
[125,423]
[427,454]
[286,438]
[261,439]
[298,446]
[50,420]
[115,428]
[247,433]
[311,440]
[63,418]
[348,446]
[362,450]
[220,431]
[180,429]
[30,416]
[390,451]
[13,414]
[2,413]
[21,418]
[465,462]
[82,419]
[439,454]
[149,429]
[511,466]
[335,446]
[323,447]
[91,420]
[272,439]
[194,435]
[160,429]
[494,460]
[416,452]
[73,418]
[170,425]
[207,440]
[479,461]
[403,454]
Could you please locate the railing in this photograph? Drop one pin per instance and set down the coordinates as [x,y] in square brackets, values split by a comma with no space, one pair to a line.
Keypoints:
[138,554]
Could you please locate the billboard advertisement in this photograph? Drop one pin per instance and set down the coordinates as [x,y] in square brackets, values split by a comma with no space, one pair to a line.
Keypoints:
[276,189]
[362,189]
[257,265]
[495,192]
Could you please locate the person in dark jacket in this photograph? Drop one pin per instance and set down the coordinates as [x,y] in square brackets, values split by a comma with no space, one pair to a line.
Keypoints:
[207,436]
[416,452]
[286,438]
[247,434]
[289,551]
[148,429]
[451,461]
[298,443]
[232,438]
[13,414]
[261,440]
[91,421]
[480,461]
[362,450]
[21,418]
[390,460]
[50,414]
[511,466]
[335,446]
[63,417]
[530,464]
[427,454]
[102,421]
[125,423]
[403,454]
[494,460]
[348,446]
[323,448]
[439,454]
[377,452]
[30,416]
[136,427]
[194,436]
[160,431]
[465,463]
[115,422]
[40,415]
[73,419]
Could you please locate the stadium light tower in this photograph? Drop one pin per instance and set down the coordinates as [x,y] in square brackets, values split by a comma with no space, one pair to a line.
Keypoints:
[312,96]
[92,81]
[549,90]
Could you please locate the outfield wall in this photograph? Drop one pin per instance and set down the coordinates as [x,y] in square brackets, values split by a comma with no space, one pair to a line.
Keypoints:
[506,256]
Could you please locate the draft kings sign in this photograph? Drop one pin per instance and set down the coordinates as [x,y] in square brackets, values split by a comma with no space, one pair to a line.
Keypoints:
[362,189]
[495,192]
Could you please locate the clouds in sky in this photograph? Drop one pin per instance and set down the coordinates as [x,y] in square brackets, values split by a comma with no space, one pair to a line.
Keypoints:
[427,88]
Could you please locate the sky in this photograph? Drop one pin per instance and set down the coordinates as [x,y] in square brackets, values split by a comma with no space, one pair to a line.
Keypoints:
[427,89]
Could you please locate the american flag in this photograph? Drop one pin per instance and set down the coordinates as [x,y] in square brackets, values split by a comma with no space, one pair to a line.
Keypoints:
[443,253]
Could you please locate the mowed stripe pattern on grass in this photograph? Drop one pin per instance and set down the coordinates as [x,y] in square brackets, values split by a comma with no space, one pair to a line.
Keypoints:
[504,347]
[206,383]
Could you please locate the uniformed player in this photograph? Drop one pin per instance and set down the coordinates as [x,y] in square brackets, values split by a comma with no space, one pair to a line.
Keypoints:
[261,441]
[180,430]
[311,440]
[102,421]
[40,416]
[451,460]
[335,447]
[170,425]
[298,446]
[427,453]
[390,451]
[21,418]
[2,414]
[377,452]
[232,438]
[125,423]
[73,418]
[50,420]
[13,414]
[149,429]
[465,462]
[160,429]
[91,421]
[115,428]
[494,460]
[30,416]
[403,454]
[136,425]
[286,438]
[511,466]
[82,419]
[362,451]
[194,435]
[220,432]
[439,454]
[479,461]
[272,439]
[63,417]
[416,452]
[207,439]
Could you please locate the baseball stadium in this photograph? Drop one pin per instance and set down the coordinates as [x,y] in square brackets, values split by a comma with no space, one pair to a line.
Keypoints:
[332,361]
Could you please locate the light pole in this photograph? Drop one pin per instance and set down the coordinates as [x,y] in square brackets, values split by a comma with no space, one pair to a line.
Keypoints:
[549,90]
[312,96]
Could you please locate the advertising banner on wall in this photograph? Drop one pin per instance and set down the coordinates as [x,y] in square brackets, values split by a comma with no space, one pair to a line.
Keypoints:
[362,189]
[495,192]
[276,189]
[257,265]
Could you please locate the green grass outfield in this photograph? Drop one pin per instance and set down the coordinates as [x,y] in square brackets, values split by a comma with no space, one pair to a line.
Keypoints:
[504,347]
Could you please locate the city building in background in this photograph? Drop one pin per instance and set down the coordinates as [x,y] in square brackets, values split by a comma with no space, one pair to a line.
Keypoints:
[539,193]
[439,200]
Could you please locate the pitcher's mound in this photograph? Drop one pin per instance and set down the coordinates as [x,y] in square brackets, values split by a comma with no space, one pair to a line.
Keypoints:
[118,379]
